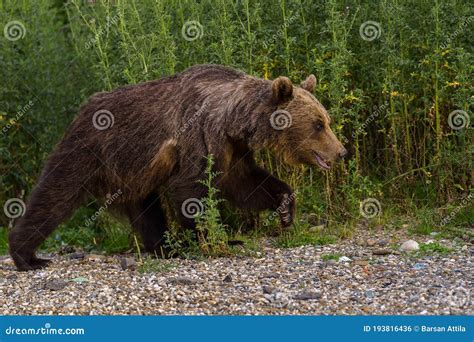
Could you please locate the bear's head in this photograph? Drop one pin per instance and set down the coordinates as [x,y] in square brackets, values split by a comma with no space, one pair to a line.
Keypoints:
[302,125]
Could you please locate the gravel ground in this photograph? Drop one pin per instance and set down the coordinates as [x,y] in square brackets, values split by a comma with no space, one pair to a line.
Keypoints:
[276,282]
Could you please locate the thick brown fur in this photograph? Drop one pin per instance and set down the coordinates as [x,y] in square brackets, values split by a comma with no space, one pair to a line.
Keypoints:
[162,131]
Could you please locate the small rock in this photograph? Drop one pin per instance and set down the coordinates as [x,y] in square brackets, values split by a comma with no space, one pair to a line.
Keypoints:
[434,233]
[268,289]
[77,255]
[371,242]
[227,278]
[344,259]
[409,245]
[381,251]
[307,295]
[128,264]
[79,280]
[55,284]
[361,262]
[370,294]
[183,281]
[419,266]
[95,257]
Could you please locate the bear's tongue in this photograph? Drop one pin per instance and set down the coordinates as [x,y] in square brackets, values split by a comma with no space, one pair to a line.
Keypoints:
[321,162]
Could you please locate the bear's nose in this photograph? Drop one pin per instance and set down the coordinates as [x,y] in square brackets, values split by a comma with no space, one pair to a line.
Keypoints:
[343,153]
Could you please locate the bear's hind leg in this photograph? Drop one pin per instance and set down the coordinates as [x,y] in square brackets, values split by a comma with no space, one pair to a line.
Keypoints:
[148,219]
[52,202]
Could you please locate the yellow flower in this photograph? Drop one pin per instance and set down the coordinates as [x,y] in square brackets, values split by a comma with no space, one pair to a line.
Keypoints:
[453,84]
[351,98]
[394,93]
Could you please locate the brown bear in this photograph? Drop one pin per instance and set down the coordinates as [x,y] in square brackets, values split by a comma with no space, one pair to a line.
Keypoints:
[141,138]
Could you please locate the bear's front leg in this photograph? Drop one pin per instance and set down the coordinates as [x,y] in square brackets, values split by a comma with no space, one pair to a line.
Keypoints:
[257,190]
[286,209]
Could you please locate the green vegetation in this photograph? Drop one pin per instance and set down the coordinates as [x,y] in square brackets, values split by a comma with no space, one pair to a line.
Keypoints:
[390,100]
[433,248]
[154,265]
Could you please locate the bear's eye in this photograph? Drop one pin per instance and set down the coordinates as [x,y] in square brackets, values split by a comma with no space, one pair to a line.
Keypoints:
[318,126]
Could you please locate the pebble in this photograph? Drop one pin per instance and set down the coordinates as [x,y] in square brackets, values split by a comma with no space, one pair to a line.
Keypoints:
[344,259]
[277,282]
[77,255]
[183,281]
[361,262]
[409,245]
[227,278]
[307,295]
[55,284]
[419,266]
[381,251]
[128,264]
[95,257]
[371,242]
[268,289]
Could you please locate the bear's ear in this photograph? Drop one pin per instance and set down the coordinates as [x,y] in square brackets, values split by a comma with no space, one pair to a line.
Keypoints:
[282,89]
[309,83]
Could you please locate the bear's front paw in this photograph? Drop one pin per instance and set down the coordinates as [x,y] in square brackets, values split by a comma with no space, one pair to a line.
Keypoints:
[286,209]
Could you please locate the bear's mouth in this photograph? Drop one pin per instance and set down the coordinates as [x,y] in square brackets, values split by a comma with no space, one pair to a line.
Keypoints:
[321,163]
